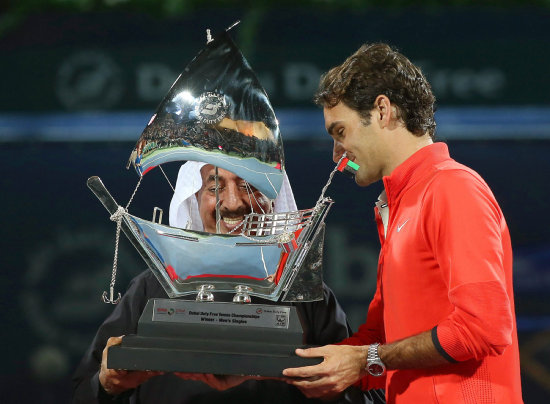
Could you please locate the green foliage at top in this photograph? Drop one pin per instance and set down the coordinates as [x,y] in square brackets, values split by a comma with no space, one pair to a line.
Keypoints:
[12,12]
[178,7]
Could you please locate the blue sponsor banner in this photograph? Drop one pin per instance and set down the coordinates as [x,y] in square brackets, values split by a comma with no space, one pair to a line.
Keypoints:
[453,123]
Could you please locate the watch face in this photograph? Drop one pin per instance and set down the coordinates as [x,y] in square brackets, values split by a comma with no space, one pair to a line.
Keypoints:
[375,369]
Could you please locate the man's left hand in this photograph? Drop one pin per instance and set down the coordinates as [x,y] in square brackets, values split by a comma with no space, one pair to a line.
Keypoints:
[343,365]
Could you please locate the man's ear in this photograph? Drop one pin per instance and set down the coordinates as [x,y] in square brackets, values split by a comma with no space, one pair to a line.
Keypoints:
[383,110]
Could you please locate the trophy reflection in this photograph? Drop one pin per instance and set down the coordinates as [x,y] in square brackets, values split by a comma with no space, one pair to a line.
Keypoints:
[218,118]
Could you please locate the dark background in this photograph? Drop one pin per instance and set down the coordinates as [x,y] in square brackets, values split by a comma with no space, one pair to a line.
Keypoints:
[79,83]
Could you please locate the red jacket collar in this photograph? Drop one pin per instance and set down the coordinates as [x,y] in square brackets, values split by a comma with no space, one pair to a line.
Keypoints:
[414,168]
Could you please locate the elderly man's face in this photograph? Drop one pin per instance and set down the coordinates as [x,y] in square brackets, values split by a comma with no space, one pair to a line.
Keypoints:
[237,198]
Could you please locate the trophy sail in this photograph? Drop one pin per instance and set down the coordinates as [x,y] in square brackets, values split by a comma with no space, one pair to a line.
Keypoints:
[216,112]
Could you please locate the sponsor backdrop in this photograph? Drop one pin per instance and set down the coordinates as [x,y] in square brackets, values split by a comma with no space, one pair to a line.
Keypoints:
[127,61]
[78,90]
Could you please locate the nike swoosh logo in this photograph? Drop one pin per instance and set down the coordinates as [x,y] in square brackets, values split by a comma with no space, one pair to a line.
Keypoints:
[399,227]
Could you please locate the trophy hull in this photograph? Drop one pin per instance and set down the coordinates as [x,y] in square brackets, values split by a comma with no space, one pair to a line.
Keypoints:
[217,338]
[174,255]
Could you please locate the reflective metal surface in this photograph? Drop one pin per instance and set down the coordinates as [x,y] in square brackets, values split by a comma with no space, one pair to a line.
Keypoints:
[242,295]
[307,285]
[184,260]
[206,255]
[216,112]
[204,293]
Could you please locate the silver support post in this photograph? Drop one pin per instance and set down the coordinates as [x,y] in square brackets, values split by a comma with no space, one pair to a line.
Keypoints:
[156,211]
[218,216]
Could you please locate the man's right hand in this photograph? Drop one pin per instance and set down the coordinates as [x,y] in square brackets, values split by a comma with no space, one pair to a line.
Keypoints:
[116,381]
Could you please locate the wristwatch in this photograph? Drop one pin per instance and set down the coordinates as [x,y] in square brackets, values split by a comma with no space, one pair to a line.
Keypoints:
[375,366]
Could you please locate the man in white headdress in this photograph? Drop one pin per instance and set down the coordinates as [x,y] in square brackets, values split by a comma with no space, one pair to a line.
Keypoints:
[184,207]
[193,207]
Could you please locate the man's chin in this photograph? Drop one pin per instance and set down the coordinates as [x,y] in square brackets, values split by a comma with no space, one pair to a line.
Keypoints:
[364,182]
[360,181]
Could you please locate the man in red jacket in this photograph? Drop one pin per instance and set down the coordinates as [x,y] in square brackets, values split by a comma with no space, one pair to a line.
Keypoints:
[441,327]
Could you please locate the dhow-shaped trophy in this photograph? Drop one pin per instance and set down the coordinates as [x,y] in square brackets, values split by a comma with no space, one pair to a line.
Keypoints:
[217,113]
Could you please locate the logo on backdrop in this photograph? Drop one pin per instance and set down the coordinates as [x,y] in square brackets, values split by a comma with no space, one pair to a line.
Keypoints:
[89,80]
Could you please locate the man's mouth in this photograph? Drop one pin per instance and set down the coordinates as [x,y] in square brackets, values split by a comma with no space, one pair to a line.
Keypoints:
[231,221]
[350,156]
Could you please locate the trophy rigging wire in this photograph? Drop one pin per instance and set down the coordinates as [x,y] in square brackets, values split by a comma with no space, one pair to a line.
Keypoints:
[117,217]
[322,197]
[167,179]
[218,215]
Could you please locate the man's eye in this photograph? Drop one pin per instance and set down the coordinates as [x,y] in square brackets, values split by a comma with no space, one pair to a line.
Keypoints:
[247,186]
[213,189]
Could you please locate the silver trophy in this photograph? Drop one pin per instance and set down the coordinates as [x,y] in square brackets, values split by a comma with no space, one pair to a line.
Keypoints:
[217,112]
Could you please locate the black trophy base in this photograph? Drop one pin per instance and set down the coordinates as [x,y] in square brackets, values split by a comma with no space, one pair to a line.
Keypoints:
[139,353]
[193,347]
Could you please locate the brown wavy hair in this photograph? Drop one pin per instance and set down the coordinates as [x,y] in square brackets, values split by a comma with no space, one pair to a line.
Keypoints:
[377,69]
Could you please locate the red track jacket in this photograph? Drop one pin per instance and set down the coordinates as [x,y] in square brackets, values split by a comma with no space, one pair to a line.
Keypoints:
[445,265]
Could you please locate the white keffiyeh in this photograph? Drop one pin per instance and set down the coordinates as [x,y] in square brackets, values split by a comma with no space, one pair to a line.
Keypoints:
[184,209]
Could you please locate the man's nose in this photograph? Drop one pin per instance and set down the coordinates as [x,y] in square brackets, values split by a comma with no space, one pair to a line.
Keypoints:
[337,151]
[232,199]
